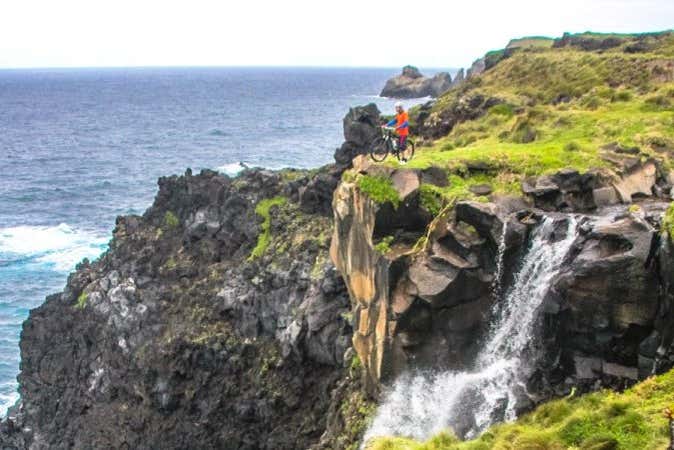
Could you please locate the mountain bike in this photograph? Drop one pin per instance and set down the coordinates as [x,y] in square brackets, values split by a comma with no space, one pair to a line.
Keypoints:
[388,143]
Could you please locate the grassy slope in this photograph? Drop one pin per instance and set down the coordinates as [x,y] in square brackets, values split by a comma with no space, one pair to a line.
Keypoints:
[600,421]
[609,97]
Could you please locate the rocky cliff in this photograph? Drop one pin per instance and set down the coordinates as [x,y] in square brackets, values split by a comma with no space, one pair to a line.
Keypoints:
[423,298]
[216,320]
[268,311]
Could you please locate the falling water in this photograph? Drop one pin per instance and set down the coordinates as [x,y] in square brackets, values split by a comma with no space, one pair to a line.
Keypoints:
[420,405]
[500,254]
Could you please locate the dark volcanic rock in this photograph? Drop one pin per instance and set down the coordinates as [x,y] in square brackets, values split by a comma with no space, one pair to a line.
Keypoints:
[607,307]
[435,124]
[566,190]
[361,128]
[176,338]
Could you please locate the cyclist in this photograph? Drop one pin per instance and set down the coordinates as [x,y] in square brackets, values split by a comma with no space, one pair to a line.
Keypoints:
[402,126]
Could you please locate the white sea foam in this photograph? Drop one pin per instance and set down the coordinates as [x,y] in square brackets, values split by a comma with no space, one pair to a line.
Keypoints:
[61,247]
[8,400]
[232,169]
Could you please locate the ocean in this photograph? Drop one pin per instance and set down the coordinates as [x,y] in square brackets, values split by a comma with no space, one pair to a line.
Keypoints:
[79,147]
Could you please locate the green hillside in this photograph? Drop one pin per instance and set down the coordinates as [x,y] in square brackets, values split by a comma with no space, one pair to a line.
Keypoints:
[556,107]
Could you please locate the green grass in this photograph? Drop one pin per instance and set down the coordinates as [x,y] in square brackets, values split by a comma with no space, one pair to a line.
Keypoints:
[384,246]
[566,136]
[379,188]
[602,420]
[668,221]
[531,41]
[82,300]
[263,209]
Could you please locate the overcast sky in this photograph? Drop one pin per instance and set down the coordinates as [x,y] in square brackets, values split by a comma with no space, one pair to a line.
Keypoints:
[82,33]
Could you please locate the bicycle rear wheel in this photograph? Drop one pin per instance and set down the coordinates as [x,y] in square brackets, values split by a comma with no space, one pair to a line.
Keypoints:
[380,150]
[408,153]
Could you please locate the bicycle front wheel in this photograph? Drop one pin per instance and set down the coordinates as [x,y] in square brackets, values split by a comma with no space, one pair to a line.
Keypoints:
[408,153]
[380,150]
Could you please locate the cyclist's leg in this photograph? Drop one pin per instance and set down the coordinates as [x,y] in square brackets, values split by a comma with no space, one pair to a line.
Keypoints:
[402,143]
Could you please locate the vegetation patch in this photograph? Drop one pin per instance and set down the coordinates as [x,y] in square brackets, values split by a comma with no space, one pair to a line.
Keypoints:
[263,209]
[384,246]
[602,420]
[171,221]
[545,139]
[668,221]
[357,412]
[82,300]
[379,188]
[432,198]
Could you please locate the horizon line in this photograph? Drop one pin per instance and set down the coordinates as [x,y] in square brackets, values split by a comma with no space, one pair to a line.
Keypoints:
[218,66]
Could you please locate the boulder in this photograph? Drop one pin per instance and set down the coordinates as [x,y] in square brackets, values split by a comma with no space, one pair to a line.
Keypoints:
[361,128]
[316,196]
[638,180]
[605,196]
[405,182]
[566,190]
[484,217]
[481,189]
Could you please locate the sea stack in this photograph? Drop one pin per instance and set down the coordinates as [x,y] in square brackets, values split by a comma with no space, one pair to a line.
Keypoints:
[412,84]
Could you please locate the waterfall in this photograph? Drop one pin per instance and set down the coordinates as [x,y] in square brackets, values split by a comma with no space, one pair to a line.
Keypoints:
[500,255]
[423,404]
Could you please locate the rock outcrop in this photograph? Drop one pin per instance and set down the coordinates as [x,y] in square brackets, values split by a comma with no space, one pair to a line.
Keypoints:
[412,84]
[415,308]
[177,337]
[433,124]
[424,300]
[361,128]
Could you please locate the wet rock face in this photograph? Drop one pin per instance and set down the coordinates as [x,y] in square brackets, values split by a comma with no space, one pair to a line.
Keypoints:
[606,319]
[604,316]
[175,336]
[412,84]
[411,308]
[567,190]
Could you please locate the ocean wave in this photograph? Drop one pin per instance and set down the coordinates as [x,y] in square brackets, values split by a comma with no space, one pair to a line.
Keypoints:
[7,400]
[60,247]
[232,169]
